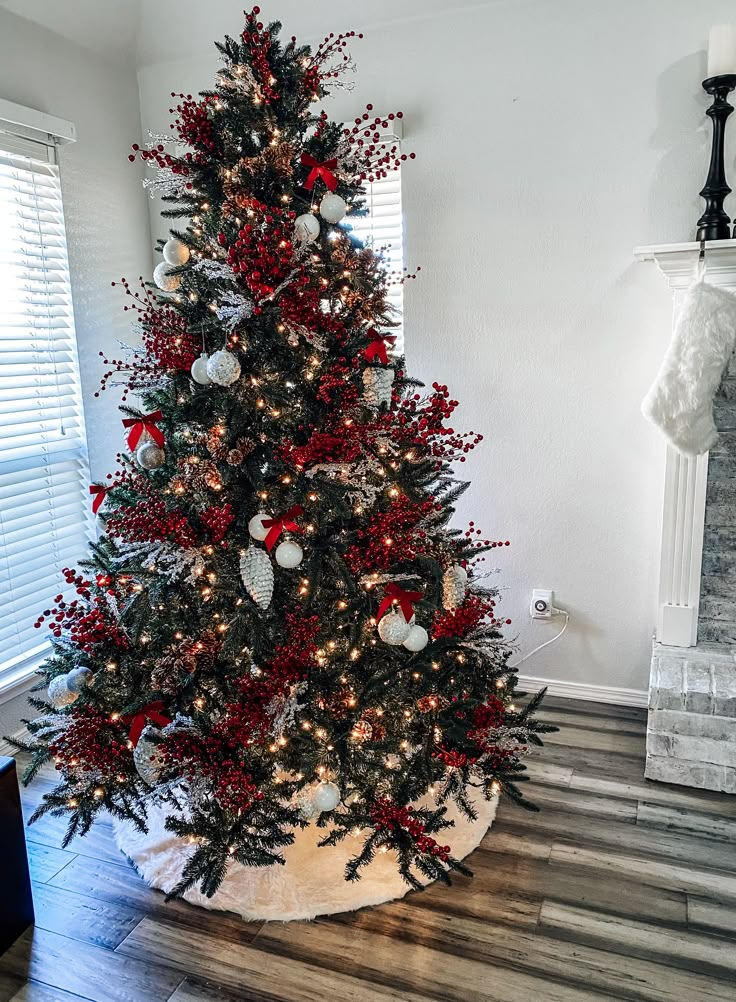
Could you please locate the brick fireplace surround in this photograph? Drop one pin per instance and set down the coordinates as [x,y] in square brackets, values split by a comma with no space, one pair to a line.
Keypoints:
[691,733]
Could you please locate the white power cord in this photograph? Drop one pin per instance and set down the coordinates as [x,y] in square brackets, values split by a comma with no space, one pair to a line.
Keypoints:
[556,612]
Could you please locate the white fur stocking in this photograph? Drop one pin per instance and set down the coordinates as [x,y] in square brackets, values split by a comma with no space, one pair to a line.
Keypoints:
[680,401]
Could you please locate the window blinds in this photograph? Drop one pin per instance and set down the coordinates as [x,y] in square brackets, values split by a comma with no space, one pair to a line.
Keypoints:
[383,228]
[44,505]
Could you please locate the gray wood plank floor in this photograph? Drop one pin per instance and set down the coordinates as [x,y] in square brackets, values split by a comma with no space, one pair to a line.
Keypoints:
[618,889]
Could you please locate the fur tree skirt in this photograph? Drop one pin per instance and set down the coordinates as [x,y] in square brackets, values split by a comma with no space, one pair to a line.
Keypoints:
[311,882]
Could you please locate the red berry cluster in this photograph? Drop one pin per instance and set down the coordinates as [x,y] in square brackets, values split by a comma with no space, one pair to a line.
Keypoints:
[336,387]
[263,251]
[259,42]
[374,156]
[149,521]
[390,536]
[489,715]
[323,447]
[332,49]
[162,160]
[453,759]
[461,621]
[166,339]
[216,757]
[217,520]
[389,817]
[85,620]
[291,660]
[193,124]
[421,422]
[90,742]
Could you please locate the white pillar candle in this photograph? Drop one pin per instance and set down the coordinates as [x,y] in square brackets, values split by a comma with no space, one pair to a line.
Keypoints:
[722,50]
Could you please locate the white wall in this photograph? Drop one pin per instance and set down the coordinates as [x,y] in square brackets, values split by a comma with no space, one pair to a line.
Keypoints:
[105,209]
[551,137]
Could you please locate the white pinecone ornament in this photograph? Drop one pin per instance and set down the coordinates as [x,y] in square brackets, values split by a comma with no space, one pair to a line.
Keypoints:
[146,755]
[257,574]
[454,585]
[377,385]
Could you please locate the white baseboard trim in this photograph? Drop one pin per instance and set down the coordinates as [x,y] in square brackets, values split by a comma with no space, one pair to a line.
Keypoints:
[10,750]
[594,693]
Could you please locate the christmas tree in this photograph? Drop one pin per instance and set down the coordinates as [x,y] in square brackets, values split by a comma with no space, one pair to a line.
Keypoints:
[278,626]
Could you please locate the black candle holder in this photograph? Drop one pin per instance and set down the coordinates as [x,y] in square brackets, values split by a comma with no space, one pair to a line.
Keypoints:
[715,224]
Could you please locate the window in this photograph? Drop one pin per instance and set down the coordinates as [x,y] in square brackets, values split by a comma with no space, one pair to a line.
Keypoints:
[44,505]
[383,227]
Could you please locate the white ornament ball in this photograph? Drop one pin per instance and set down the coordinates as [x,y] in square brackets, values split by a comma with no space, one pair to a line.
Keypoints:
[199,370]
[326,797]
[59,693]
[288,554]
[332,208]
[417,640]
[175,252]
[150,456]
[76,678]
[223,368]
[307,227]
[164,279]
[256,527]
[393,629]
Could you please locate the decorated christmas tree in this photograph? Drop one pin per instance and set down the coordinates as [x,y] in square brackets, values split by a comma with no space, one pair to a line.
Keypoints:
[278,626]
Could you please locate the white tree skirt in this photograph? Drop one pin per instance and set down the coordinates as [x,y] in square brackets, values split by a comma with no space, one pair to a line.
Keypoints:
[311,882]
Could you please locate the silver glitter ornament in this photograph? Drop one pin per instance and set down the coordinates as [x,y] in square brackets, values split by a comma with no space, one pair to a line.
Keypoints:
[150,456]
[257,574]
[393,629]
[146,756]
[377,385]
[76,678]
[164,279]
[454,585]
[223,368]
[59,693]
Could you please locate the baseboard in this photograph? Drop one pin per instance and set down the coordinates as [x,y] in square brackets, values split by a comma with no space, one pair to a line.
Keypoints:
[10,750]
[594,693]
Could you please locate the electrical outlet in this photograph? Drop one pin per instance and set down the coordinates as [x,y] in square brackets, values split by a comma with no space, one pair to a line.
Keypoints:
[542,606]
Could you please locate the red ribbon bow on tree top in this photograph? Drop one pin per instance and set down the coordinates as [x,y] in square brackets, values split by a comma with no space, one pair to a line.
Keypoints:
[137,720]
[276,525]
[323,170]
[100,493]
[393,593]
[377,347]
[147,422]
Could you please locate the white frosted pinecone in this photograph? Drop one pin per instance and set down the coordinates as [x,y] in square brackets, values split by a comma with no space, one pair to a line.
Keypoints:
[257,574]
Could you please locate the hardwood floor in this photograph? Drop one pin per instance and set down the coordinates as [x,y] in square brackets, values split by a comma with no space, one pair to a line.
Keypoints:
[619,889]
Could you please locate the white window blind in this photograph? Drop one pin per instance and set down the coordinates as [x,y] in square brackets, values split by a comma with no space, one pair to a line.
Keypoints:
[383,227]
[44,502]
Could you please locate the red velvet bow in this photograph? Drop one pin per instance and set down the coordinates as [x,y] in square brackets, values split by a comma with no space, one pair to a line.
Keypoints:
[377,347]
[137,720]
[393,593]
[145,423]
[100,494]
[276,525]
[323,170]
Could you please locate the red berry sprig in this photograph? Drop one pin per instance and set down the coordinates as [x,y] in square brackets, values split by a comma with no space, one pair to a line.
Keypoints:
[391,818]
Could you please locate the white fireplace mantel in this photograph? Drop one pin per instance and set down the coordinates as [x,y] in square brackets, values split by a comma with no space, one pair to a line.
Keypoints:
[686,477]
